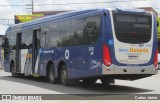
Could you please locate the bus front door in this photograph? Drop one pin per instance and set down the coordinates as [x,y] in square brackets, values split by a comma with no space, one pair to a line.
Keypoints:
[18,52]
[35,51]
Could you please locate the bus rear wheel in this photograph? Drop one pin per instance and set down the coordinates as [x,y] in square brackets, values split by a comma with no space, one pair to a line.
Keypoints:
[64,76]
[51,74]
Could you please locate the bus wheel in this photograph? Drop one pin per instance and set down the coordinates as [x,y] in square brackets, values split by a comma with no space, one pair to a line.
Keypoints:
[51,74]
[88,81]
[106,81]
[13,70]
[64,76]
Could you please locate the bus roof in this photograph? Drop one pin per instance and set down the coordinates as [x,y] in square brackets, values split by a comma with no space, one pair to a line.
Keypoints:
[52,18]
[68,14]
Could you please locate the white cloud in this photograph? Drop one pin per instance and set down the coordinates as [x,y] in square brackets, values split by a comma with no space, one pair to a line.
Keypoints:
[3,29]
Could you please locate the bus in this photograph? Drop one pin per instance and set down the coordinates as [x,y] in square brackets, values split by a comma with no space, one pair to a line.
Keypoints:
[85,45]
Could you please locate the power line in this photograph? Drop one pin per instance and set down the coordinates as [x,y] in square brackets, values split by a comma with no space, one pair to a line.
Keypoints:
[77,3]
[90,2]
[11,5]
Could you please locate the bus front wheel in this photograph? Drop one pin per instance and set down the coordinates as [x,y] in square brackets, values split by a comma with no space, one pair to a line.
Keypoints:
[13,71]
[51,74]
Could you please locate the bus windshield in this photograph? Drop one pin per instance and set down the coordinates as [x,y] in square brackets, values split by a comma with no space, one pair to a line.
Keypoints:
[132,28]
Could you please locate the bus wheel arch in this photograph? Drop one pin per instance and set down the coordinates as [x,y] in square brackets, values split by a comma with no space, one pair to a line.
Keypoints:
[13,70]
[61,63]
[50,71]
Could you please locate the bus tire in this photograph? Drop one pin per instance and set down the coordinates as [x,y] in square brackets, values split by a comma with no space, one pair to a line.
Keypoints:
[13,71]
[64,76]
[86,82]
[106,81]
[51,75]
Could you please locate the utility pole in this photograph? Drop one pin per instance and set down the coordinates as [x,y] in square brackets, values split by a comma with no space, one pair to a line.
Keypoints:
[30,7]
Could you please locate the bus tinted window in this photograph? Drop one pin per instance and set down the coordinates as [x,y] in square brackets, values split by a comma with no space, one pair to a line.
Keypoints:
[65,33]
[133,29]
[45,37]
[42,41]
[91,30]
[12,40]
[54,34]
[29,37]
[24,40]
[77,31]
[82,31]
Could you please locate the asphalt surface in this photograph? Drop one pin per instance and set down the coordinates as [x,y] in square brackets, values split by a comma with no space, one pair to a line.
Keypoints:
[30,85]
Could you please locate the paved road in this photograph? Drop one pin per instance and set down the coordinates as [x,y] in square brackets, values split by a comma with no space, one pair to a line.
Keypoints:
[10,85]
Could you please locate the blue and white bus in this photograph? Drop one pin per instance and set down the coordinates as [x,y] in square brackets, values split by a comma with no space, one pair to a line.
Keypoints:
[87,45]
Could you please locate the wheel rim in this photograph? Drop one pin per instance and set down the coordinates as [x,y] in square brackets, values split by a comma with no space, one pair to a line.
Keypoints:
[13,69]
[64,74]
[51,74]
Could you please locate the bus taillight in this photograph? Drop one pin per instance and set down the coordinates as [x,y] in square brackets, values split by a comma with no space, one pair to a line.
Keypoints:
[156,58]
[106,56]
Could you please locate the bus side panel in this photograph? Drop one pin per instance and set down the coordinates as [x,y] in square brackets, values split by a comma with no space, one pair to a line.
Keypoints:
[46,55]
[86,61]
[80,60]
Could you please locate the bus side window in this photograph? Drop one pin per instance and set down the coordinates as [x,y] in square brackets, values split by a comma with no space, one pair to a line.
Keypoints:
[6,48]
[39,38]
[44,38]
[29,37]
[23,42]
[5,43]
[37,34]
[54,34]
[91,29]
[12,40]
[77,32]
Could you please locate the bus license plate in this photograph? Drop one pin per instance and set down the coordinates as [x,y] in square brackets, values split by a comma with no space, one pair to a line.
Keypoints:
[133,57]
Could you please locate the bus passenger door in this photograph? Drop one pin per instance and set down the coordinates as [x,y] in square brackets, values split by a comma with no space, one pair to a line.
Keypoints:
[35,51]
[18,52]
[5,46]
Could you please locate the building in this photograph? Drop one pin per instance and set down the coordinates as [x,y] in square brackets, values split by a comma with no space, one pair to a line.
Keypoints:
[35,15]
[149,9]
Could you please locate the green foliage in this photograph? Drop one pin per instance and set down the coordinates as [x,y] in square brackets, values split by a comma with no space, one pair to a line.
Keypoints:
[158,28]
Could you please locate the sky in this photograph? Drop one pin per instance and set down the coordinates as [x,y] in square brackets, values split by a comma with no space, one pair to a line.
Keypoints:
[9,8]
